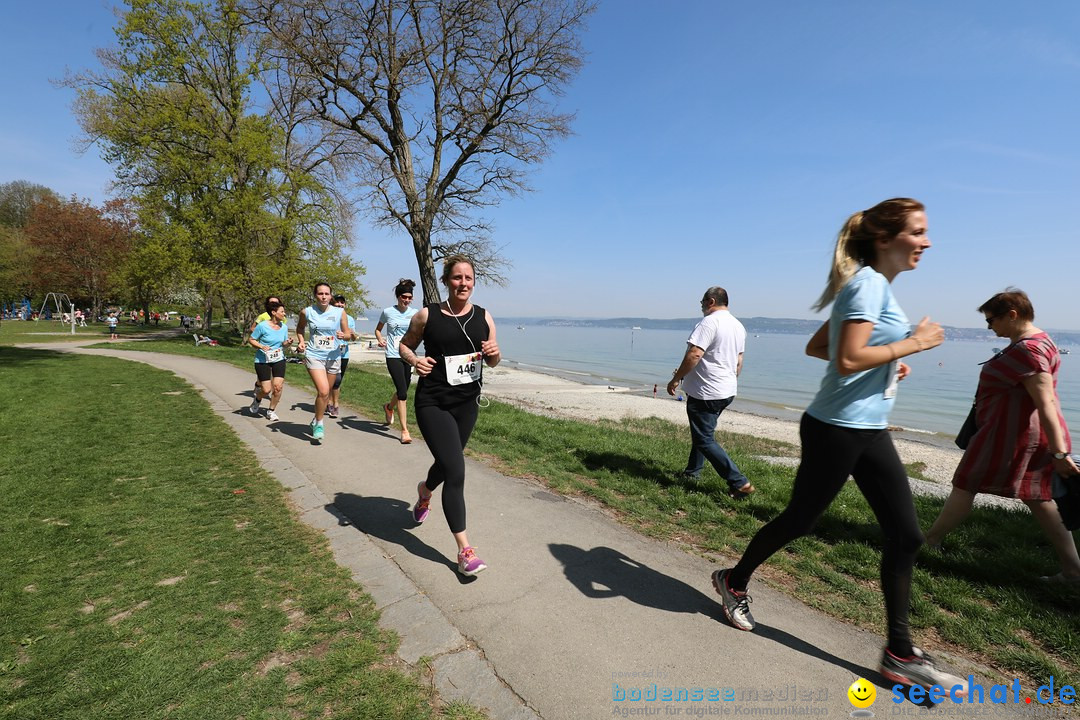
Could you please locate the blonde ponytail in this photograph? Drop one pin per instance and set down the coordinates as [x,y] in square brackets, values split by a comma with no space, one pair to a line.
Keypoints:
[844,264]
[856,245]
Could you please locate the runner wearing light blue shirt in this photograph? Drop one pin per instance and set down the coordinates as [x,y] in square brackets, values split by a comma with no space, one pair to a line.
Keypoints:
[258,319]
[335,390]
[322,348]
[322,351]
[396,320]
[862,399]
[269,338]
[844,433]
[396,323]
[351,321]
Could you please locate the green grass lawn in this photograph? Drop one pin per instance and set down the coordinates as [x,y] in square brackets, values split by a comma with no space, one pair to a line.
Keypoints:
[980,598]
[150,569]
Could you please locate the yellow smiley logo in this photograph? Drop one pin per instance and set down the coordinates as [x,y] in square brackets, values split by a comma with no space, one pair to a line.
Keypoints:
[861,693]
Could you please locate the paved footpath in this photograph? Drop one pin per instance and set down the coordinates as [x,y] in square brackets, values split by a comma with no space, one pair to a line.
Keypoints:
[574,608]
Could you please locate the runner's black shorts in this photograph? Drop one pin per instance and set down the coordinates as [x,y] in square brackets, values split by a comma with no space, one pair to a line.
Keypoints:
[265,371]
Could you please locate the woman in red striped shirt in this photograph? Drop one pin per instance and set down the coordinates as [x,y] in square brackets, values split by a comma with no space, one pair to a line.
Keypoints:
[1022,439]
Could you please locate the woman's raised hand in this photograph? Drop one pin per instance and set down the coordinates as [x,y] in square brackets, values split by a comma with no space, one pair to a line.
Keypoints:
[928,334]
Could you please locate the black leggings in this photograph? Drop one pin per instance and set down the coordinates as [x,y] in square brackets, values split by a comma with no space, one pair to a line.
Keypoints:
[401,372]
[829,455]
[341,374]
[446,430]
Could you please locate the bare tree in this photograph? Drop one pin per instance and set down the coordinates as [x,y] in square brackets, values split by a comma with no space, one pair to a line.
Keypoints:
[439,106]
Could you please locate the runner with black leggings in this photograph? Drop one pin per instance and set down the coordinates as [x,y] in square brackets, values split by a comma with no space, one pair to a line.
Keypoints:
[395,320]
[844,430]
[459,338]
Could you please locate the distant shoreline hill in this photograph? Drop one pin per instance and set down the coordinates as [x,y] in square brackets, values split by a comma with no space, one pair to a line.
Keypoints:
[753,325]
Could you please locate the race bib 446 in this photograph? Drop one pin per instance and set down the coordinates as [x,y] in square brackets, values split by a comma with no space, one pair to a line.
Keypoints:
[463,369]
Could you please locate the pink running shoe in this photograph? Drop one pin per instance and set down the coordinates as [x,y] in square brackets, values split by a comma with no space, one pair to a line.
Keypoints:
[467,562]
[420,509]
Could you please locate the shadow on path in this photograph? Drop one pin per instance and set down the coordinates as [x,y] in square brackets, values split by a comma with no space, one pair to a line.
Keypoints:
[389,519]
[300,431]
[603,572]
[355,422]
[799,645]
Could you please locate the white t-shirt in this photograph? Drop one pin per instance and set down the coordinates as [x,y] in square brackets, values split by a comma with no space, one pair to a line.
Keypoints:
[723,338]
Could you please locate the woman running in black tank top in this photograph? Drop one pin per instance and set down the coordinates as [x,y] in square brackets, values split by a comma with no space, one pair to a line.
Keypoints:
[459,339]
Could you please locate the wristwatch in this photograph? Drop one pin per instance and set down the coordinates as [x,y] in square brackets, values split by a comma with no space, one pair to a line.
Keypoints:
[1060,456]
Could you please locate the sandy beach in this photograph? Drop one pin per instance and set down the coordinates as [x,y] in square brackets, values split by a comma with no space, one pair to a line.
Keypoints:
[559,397]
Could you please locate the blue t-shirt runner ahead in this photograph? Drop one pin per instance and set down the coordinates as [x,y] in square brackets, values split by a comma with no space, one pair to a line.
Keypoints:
[351,321]
[265,333]
[322,341]
[396,324]
[864,399]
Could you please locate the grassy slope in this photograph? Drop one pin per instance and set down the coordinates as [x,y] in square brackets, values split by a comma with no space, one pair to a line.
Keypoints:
[150,569]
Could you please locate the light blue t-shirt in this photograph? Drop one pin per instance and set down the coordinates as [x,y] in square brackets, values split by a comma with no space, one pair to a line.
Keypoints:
[344,344]
[265,333]
[396,324]
[322,324]
[862,400]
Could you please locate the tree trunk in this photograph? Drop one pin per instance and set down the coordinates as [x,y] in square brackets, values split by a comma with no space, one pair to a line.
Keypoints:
[146,313]
[241,315]
[209,316]
[429,281]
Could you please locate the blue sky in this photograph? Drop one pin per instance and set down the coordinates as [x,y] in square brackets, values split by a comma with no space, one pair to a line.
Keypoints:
[725,143]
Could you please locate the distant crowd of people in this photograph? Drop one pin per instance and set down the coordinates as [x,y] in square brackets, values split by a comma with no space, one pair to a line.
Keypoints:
[82,316]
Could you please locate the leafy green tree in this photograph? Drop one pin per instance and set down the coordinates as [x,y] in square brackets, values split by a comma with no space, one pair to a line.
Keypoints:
[173,111]
[156,266]
[16,200]
[438,108]
[78,247]
[16,265]
[16,251]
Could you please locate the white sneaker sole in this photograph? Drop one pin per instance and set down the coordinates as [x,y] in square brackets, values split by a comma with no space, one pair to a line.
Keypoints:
[474,573]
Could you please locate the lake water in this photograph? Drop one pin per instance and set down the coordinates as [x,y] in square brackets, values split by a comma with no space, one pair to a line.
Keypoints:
[777,379]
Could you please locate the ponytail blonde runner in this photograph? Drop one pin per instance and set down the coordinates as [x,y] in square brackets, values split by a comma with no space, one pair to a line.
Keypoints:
[856,245]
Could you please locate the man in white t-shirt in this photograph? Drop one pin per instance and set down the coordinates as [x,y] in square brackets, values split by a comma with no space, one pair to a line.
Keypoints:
[709,372]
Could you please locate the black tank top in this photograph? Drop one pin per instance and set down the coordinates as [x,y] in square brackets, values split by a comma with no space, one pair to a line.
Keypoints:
[445,335]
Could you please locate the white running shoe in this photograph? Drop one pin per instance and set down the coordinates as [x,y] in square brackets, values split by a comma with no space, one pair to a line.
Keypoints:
[271,416]
[919,669]
[736,603]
